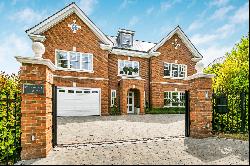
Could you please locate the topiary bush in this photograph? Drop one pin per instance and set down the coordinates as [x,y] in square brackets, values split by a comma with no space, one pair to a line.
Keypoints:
[10,112]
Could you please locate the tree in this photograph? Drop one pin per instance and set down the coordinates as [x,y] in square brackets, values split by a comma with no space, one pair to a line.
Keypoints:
[232,75]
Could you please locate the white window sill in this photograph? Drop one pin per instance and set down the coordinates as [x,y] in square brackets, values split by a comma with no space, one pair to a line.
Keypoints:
[173,106]
[174,78]
[129,76]
[75,70]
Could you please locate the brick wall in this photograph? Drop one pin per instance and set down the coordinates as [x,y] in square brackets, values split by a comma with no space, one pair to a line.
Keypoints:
[169,54]
[114,79]
[36,111]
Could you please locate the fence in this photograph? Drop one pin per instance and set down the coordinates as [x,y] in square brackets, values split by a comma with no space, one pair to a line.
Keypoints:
[230,112]
[10,132]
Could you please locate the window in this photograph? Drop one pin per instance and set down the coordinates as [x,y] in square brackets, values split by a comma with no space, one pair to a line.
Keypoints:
[126,39]
[74,60]
[113,96]
[129,68]
[174,99]
[175,70]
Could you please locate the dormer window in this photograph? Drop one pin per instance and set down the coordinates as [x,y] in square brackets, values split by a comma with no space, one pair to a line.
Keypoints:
[125,38]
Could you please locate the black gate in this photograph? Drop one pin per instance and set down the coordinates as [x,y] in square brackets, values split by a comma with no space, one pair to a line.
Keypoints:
[187,114]
[54,115]
[230,112]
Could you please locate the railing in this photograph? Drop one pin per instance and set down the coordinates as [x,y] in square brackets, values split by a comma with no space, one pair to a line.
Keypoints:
[230,112]
[10,128]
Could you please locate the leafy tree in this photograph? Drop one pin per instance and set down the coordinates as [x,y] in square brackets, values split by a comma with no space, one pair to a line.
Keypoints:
[232,75]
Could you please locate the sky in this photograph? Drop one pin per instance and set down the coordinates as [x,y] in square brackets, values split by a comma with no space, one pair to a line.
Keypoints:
[213,26]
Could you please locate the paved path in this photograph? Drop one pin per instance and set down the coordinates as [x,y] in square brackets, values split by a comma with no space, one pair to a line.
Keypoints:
[149,139]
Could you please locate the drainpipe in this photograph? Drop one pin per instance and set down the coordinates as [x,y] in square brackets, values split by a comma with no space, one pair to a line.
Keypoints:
[149,79]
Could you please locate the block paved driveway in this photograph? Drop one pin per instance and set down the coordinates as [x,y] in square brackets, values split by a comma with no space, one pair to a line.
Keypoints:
[138,139]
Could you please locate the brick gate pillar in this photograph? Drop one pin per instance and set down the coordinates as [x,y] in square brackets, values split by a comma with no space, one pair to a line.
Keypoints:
[36,107]
[200,103]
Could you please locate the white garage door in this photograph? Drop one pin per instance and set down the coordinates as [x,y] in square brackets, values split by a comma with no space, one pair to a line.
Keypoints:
[72,101]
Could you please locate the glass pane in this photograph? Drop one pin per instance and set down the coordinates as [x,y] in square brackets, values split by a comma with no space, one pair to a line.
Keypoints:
[74,60]
[130,109]
[181,71]
[90,62]
[62,60]
[85,62]
[174,70]
[130,100]
[175,99]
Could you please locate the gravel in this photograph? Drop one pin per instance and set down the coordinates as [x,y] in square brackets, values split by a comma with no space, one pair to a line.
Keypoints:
[146,139]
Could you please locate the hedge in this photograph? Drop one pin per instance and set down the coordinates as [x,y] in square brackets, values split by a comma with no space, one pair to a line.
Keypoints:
[170,110]
[9,123]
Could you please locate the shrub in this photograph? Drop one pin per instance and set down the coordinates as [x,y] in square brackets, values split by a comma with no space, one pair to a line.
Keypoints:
[169,110]
[9,123]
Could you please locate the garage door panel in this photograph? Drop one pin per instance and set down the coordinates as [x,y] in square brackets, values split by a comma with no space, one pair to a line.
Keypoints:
[83,103]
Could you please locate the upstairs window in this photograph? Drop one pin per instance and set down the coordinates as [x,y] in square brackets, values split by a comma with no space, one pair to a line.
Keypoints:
[128,68]
[174,99]
[175,70]
[74,60]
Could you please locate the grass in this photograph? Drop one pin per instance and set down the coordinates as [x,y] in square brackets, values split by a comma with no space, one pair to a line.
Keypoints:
[239,136]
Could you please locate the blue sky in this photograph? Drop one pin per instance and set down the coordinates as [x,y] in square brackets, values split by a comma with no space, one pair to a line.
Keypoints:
[213,26]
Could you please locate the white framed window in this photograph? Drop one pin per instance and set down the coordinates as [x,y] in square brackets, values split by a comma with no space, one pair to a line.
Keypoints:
[174,99]
[113,97]
[72,60]
[173,70]
[128,68]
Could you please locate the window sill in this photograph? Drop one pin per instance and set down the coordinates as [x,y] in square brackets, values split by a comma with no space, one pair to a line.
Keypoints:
[174,78]
[75,70]
[173,106]
[129,76]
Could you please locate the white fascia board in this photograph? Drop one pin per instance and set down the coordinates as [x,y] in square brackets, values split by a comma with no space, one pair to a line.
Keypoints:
[73,8]
[33,60]
[184,39]
[105,47]
[130,53]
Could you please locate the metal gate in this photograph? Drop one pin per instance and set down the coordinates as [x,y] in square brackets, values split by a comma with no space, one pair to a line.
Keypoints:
[54,115]
[230,112]
[187,113]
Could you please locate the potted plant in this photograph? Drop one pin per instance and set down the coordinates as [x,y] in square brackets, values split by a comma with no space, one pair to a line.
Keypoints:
[137,109]
[130,70]
[125,69]
[136,70]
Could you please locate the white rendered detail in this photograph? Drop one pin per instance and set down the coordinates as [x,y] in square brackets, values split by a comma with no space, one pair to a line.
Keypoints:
[38,49]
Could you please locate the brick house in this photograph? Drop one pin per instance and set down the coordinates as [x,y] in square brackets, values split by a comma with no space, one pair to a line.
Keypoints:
[95,72]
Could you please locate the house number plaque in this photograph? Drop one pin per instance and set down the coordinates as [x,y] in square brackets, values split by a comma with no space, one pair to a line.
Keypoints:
[33,89]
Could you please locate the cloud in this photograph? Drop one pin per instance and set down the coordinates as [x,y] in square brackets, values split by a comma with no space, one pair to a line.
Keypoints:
[126,3]
[150,10]
[11,46]
[199,39]
[218,3]
[221,12]
[134,20]
[241,15]
[213,52]
[88,6]
[28,16]
[195,25]
[226,30]
[168,4]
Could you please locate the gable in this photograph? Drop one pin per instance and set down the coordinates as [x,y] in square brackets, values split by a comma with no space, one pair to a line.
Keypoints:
[61,15]
[184,39]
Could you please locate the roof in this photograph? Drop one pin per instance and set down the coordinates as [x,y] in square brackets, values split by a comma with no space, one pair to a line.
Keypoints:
[110,41]
[142,46]
[63,13]
[184,39]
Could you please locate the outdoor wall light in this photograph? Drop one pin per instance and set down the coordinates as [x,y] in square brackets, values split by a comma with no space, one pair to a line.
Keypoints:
[206,94]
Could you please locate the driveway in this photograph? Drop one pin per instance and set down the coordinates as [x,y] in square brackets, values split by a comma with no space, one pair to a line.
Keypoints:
[145,139]
[73,130]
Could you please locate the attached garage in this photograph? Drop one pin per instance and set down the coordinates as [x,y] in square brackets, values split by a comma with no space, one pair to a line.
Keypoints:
[75,101]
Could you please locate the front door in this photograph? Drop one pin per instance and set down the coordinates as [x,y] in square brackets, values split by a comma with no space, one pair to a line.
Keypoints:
[130,103]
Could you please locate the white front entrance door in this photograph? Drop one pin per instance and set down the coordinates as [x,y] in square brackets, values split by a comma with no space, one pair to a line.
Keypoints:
[130,102]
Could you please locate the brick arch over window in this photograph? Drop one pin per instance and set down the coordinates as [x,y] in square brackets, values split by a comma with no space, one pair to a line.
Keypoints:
[125,86]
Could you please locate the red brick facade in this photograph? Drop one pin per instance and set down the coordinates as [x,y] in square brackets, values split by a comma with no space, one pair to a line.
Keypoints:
[148,87]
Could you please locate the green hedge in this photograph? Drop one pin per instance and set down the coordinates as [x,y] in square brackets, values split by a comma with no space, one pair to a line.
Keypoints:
[170,110]
[9,123]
